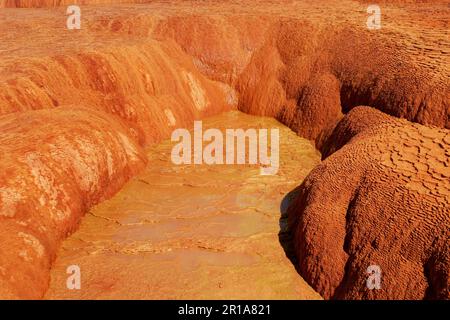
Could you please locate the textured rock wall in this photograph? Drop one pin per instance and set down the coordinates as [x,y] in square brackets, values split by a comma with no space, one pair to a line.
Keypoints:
[381,199]
[307,72]
[59,159]
[136,83]
[55,165]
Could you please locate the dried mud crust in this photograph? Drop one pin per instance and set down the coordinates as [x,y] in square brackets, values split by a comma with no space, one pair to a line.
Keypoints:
[381,199]
[191,232]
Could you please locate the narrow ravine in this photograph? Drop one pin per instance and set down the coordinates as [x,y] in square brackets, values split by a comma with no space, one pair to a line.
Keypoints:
[87,181]
[191,231]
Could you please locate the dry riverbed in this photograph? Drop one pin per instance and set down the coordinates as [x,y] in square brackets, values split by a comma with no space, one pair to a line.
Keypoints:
[191,231]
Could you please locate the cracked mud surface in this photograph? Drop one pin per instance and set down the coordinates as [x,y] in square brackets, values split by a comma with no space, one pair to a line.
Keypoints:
[387,202]
[191,232]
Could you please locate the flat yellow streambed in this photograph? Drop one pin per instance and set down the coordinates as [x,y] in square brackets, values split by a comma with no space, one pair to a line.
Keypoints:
[191,231]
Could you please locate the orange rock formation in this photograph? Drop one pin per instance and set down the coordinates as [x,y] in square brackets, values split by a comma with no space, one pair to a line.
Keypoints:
[78,106]
[380,199]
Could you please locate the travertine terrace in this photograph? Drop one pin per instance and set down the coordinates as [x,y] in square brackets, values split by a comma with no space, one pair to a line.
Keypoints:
[85,177]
